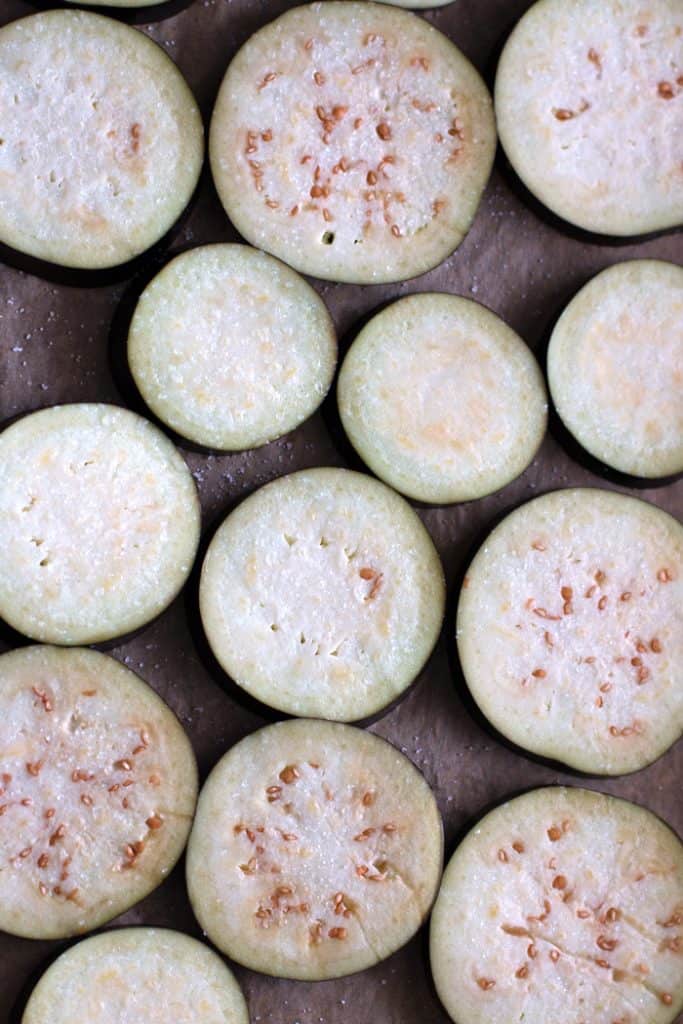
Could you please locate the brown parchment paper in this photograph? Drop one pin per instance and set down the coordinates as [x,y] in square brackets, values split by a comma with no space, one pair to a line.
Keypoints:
[62,340]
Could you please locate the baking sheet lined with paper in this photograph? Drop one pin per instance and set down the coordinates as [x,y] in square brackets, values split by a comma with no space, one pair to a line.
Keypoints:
[62,339]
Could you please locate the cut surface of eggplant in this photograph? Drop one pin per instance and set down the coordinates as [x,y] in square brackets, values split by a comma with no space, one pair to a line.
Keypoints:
[441,399]
[149,974]
[589,106]
[352,140]
[615,367]
[322,594]
[102,139]
[230,347]
[562,905]
[316,851]
[99,523]
[570,629]
[98,784]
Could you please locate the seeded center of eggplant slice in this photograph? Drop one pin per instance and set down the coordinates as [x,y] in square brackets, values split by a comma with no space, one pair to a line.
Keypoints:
[365,118]
[546,928]
[311,836]
[77,797]
[613,655]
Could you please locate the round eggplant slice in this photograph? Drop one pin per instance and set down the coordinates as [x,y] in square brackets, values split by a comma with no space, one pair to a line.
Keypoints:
[322,595]
[230,347]
[316,851]
[352,140]
[589,104]
[102,139]
[442,399]
[570,629]
[562,905]
[615,367]
[137,974]
[99,523]
[98,784]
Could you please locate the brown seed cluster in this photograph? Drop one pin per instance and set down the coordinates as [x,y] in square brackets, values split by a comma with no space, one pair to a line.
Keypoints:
[135,136]
[635,729]
[379,198]
[56,841]
[604,942]
[267,855]
[602,922]
[642,671]
[340,905]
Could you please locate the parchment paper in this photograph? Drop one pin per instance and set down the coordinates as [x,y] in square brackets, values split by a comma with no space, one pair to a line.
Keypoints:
[62,338]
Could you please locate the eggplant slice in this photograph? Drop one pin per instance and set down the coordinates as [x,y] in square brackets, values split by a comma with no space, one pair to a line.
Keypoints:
[589,105]
[230,347]
[98,784]
[570,629]
[441,399]
[137,974]
[99,523]
[615,368]
[316,851]
[562,905]
[352,140]
[102,139]
[322,595]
